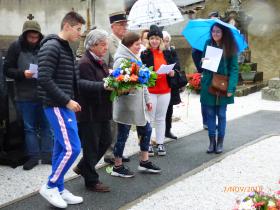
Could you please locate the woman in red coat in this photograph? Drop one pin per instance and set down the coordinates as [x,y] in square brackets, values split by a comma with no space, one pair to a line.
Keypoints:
[160,94]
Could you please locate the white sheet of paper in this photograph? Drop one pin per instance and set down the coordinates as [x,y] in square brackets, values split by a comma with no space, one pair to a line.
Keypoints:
[165,69]
[34,69]
[213,57]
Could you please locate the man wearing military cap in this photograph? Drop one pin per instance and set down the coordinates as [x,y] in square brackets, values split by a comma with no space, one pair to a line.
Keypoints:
[118,21]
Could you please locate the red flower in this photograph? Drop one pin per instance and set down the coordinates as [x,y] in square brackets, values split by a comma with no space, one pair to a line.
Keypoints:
[259,204]
[120,78]
[133,68]
[133,78]
[194,81]
[278,202]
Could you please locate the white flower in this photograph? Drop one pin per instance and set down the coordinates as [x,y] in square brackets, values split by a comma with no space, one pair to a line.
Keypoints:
[246,205]
[126,78]
[271,203]
[121,71]
[127,71]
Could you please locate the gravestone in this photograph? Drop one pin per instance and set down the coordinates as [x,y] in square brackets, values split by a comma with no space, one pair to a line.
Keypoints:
[272,92]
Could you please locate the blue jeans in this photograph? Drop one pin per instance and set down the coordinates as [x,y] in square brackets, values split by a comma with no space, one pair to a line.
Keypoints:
[36,128]
[220,112]
[144,134]
[204,114]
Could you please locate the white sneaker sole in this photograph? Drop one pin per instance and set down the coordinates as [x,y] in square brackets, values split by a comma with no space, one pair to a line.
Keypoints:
[74,202]
[121,175]
[161,153]
[52,202]
[143,169]
[151,154]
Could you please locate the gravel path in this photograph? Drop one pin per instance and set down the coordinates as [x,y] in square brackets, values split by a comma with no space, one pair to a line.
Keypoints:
[217,187]
[187,119]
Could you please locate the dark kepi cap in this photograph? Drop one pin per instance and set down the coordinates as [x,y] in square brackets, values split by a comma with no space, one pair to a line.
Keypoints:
[155,31]
[117,17]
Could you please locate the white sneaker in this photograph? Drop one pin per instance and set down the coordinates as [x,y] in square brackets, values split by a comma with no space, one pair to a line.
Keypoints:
[53,196]
[151,152]
[161,150]
[70,198]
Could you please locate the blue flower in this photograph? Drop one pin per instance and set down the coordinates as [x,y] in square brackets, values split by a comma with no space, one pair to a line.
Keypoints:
[142,80]
[144,76]
[251,194]
[133,61]
[116,72]
[139,63]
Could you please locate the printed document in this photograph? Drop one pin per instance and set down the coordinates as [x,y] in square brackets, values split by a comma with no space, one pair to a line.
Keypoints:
[212,59]
[165,69]
[34,69]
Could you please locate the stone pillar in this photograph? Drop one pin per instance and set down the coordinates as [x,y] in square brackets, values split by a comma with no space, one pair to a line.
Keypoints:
[272,92]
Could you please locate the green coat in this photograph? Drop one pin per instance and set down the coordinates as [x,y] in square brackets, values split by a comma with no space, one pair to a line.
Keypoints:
[227,66]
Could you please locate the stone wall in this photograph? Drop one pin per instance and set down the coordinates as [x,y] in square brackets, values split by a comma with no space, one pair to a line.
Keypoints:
[263,42]
[264,31]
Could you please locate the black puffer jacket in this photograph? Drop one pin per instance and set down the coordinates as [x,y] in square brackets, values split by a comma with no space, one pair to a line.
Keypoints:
[57,73]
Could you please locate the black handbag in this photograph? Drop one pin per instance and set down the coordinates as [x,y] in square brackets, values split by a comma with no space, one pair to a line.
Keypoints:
[178,81]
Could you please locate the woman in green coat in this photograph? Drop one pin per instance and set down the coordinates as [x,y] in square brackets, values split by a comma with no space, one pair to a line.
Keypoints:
[216,106]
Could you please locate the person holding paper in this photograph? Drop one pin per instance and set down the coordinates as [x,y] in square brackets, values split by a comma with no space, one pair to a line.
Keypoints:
[155,56]
[216,106]
[21,65]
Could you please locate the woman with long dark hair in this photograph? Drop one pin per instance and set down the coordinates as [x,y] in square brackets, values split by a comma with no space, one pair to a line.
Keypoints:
[216,106]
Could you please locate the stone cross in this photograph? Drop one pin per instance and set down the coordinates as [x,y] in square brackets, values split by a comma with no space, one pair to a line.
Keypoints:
[235,4]
[30,17]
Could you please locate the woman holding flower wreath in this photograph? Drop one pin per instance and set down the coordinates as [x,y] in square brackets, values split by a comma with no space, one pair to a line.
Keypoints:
[131,108]
[216,105]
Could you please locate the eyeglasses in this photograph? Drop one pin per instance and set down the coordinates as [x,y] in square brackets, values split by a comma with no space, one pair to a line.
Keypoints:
[216,31]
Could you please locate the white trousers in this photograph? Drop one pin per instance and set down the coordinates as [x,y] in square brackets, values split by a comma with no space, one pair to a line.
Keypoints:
[160,104]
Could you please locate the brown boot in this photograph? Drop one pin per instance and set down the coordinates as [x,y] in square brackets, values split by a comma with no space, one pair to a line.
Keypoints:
[98,187]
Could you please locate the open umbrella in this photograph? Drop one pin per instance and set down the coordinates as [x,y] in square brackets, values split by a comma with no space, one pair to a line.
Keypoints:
[153,12]
[197,32]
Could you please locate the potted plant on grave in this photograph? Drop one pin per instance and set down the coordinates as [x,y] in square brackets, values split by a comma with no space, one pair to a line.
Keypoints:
[246,72]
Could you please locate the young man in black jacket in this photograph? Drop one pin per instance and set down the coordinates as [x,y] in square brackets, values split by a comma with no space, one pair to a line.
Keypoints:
[58,81]
[21,57]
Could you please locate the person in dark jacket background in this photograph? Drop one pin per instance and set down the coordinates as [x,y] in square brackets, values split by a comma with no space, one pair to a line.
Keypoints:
[58,81]
[21,54]
[175,93]
[94,119]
